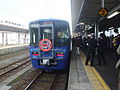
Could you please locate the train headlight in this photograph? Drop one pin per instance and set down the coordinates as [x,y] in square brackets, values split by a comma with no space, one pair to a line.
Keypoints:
[35,53]
[60,54]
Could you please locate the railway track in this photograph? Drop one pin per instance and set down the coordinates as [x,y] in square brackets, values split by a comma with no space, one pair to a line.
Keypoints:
[26,79]
[7,71]
[8,68]
[60,82]
[44,81]
[49,81]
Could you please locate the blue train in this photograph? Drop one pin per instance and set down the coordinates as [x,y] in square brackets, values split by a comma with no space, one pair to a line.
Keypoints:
[50,43]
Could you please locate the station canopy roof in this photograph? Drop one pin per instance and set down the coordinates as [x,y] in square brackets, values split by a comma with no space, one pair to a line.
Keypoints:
[5,28]
[88,13]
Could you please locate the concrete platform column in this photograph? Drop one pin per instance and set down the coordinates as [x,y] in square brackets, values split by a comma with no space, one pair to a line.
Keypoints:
[96,30]
[3,39]
[18,38]
[25,38]
[6,38]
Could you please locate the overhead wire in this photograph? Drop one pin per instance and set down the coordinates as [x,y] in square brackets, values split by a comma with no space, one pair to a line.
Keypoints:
[12,13]
[46,6]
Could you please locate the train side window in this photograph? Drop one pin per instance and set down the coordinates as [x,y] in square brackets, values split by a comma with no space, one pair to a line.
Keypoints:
[34,36]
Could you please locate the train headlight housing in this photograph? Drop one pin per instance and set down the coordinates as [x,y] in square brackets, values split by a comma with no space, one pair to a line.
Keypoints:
[60,54]
[35,53]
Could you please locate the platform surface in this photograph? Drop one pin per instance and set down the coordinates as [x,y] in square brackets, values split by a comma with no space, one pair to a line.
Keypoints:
[82,77]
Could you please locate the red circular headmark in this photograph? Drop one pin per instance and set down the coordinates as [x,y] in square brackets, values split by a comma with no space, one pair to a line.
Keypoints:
[45,45]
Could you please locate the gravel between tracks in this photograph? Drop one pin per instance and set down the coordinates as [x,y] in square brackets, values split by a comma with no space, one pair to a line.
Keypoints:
[22,83]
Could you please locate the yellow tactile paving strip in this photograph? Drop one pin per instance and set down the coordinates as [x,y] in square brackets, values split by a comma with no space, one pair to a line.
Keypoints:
[95,79]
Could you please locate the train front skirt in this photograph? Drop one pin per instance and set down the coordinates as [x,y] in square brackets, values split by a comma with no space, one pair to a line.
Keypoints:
[59,60]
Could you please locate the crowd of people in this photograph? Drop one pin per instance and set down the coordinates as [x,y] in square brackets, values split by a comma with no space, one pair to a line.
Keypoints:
[93,46]
[98,47]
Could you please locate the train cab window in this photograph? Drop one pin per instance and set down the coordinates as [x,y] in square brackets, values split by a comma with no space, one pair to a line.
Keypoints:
[61,36]
[46,32]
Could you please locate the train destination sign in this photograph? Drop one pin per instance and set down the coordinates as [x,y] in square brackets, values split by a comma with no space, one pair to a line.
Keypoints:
[103,12]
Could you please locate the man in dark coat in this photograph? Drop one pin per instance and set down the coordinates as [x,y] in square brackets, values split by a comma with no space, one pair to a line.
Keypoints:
[78,42]
[91,49]
[101,47]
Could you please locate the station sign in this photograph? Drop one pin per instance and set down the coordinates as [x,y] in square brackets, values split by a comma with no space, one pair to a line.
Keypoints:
[103,12]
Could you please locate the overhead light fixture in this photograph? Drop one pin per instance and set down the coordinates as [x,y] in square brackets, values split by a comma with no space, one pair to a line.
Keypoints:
[81,23]
[111,28]
[90,27]
[113,14]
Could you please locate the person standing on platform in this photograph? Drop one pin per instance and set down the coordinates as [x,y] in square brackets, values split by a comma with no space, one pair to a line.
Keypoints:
[101,48]
[118,67]
[78,43]
[91,49]
[74,41]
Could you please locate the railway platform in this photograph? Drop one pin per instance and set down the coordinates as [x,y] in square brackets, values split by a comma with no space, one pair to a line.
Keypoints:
[82,77]
[12,48]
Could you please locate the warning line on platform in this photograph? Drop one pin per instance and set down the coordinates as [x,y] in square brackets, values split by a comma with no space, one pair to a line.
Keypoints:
[95,78]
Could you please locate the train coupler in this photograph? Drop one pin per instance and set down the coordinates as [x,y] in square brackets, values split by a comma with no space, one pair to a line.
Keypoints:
[46,62]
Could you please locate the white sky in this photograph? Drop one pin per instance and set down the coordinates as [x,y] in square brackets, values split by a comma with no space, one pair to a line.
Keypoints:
[24,11]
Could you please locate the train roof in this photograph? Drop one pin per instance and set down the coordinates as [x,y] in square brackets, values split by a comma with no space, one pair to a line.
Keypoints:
[51,20]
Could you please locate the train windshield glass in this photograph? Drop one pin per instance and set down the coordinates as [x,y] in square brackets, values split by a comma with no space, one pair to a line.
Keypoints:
[46,32]
[61,36]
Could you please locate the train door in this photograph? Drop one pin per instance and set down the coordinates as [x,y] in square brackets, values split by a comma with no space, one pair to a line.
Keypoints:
[46,43]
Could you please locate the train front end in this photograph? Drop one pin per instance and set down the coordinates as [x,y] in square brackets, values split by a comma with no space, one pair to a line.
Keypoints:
[50,46]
